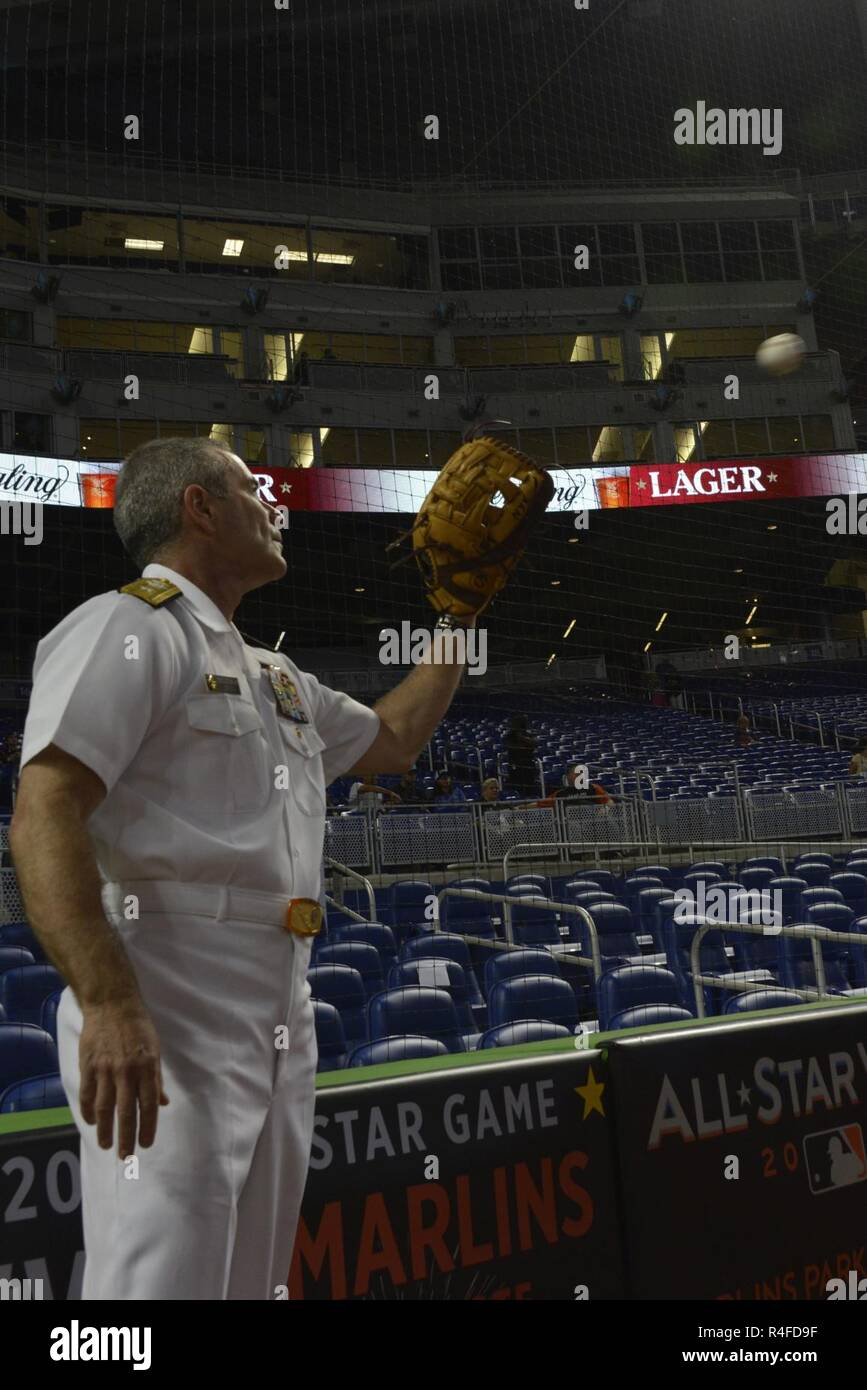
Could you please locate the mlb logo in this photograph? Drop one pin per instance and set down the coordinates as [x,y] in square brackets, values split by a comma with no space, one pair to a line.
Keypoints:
[835,1158]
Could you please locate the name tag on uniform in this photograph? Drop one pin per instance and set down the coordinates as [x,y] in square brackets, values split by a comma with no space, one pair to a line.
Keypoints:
[223,685]
[286,694]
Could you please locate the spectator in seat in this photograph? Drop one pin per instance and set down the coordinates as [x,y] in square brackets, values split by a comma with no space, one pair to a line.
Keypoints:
[445,791]
[491,789]
[521,746]
[578,787]
[743,737]
[410,790]
[858,765]
[367,796]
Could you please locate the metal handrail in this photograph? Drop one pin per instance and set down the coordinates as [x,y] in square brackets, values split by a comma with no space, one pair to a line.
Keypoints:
[814,934]
[348,911]
[368,887]
[510,900]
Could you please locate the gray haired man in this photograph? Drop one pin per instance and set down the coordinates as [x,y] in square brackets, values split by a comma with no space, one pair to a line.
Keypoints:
[168,838]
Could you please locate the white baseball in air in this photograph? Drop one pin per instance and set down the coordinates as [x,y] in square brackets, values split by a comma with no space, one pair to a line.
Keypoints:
[781,354]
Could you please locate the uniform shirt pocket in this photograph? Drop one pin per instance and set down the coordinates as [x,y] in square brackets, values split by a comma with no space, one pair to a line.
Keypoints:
[228,753]
[305,775]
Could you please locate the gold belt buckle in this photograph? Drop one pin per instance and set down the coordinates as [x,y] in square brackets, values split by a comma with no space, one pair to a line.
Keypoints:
[304,917]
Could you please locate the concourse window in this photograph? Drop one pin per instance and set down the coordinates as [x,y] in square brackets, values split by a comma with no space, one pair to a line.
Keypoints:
[100,236]
[19,230]
[573,446]
[701,252]
[374,449]
[663,258]
[717,439]
[740,251]
[572,236]
[219,246]
[752,436]
[31,434]
[818,432]
[343,255]
[338,448]
[620,264]
[779,249]
[459,258]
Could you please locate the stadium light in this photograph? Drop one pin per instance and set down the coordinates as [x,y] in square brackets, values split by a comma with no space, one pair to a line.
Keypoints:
[569,628]
[661,621]
[139,243]
[648,645]
[752,614]
[232,247]
[551,658]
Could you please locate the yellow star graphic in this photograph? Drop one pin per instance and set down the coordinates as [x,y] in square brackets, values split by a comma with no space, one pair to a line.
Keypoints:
[591,1094]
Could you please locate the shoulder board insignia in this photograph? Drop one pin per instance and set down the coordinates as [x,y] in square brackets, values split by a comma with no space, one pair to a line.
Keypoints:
[153,591]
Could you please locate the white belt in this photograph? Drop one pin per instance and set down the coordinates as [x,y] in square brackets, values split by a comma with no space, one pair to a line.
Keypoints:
[212,900]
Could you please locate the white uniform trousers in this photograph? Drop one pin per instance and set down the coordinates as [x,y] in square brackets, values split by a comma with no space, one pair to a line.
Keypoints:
[212,1211]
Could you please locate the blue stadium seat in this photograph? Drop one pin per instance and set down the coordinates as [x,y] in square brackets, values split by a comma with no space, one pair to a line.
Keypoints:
[603,877]
[815,875]
[527,1031]
[854,889]
[645,1015]
[36,1093]
[533,997]
[358,955]
[813,857]
[506,965]
[415,1009]
[13,957]
[616,931]
[375,934]
[24,989]
[787,891]
[330,1038]
[833,916]
[533,926]
[448,945]
[25,1051]
[811,897]
[21,934]
[533,885]
[710,866]
[343,987]
[756,877]
[634,986]
[769,862]
[408,905]
[796,959]
[403,1049]
[663,872]
[755,1000]
[469,915]
[437,972]
[48,1021]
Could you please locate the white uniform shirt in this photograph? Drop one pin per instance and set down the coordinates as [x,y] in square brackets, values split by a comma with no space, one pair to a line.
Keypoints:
[202,786]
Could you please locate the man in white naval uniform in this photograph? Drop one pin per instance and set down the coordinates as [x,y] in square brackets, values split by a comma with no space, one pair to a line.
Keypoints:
[168,838]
